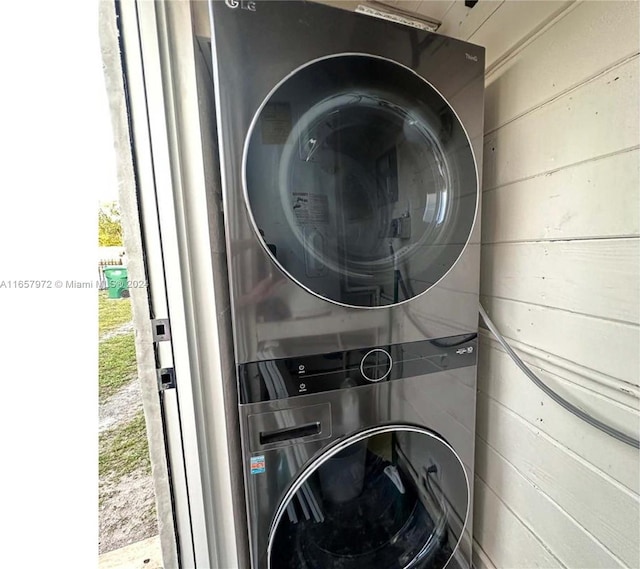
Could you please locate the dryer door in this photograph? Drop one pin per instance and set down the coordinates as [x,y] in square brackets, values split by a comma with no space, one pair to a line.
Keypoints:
[360,181]
[393,496]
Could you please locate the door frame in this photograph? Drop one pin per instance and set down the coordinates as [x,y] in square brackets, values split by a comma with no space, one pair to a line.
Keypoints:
[166,219]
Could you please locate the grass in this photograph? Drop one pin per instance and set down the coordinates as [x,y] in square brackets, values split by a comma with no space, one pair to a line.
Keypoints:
[116,364]
[112,312]
[124,450]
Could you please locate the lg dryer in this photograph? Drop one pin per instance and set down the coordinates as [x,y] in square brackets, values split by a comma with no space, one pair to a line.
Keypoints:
[350,151]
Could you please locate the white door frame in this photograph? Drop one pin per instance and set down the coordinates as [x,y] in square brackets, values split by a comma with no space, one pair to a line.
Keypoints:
[176,257]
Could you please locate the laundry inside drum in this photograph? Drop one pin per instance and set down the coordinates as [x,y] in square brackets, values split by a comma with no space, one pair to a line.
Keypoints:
[369,515]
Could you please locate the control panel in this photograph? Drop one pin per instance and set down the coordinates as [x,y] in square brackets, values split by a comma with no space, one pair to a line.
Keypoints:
[290,377]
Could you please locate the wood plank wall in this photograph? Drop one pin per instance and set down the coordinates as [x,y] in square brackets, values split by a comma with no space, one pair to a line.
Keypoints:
[560,277]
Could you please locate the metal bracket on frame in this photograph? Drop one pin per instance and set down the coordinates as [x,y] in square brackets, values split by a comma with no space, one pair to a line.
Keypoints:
[160,329]
[162,333]
[166,378]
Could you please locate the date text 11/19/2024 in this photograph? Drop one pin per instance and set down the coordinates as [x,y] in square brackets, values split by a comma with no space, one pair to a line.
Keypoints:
[49,283]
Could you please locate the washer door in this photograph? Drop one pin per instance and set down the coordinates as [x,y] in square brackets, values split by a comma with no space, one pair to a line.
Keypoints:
[360,181]
[390,497]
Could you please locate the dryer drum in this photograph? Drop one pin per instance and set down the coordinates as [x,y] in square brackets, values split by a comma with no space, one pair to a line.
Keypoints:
[378,505]
[361,175]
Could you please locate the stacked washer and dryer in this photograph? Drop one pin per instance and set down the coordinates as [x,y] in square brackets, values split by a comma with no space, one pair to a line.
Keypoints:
[350,153]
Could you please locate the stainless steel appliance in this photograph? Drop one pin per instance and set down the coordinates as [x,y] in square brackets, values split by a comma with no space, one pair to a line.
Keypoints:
[350,152]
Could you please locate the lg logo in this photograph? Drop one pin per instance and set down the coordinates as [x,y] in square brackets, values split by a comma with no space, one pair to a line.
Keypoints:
[242,4]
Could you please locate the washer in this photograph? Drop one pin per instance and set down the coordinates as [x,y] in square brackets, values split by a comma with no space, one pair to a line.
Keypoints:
[349,153]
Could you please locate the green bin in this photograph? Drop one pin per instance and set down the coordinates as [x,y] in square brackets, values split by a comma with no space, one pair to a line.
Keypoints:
[116,281]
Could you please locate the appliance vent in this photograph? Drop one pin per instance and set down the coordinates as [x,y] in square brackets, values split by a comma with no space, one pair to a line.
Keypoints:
[378,10]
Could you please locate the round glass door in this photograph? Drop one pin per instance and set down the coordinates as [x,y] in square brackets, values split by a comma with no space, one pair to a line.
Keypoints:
[390,497]
[360,181]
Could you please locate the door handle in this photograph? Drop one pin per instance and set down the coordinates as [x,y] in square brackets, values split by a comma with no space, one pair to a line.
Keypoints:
[288,433]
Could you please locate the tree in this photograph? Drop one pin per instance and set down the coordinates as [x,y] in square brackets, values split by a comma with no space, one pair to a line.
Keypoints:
[109,225]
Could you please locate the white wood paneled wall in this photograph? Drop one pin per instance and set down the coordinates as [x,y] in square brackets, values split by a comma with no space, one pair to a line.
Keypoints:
[560,277]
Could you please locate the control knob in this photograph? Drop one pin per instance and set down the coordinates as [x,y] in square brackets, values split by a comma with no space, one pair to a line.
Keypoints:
[376,365]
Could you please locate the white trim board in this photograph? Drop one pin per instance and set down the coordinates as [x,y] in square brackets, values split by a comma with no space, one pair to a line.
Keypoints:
[589,200]
[599,118]
[601,505]
[568,275]
[576,49]
[502,381]
[603,351]
[504,537]
[560,533]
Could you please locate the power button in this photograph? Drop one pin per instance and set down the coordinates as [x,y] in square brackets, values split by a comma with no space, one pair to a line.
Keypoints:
[376,365]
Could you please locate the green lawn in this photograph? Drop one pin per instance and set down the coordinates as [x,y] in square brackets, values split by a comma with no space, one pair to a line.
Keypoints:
[112,312]
[124,449]
[116,364]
